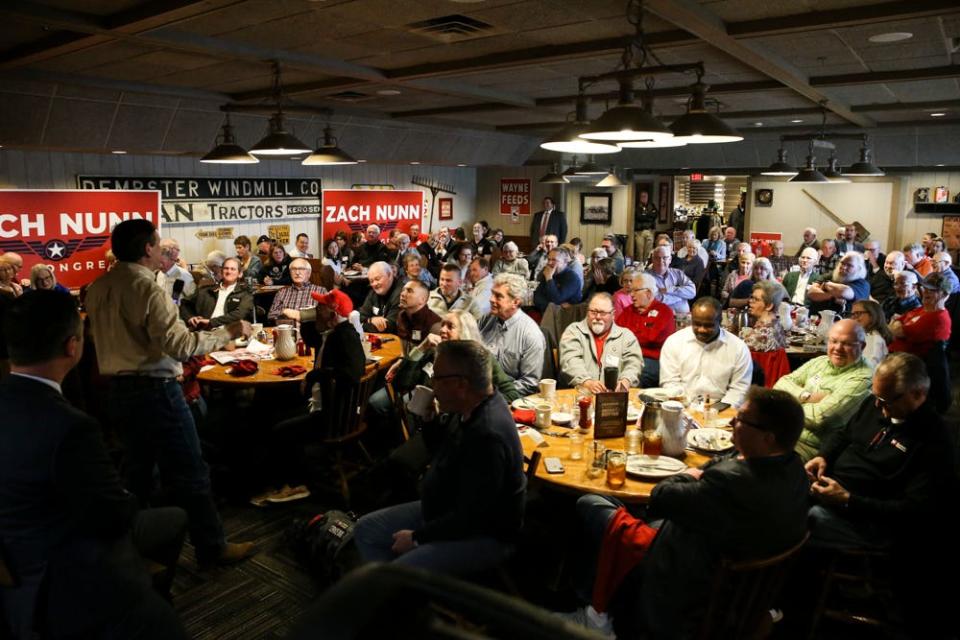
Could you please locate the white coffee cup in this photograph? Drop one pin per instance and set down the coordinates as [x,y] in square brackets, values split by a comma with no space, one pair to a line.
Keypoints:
[421,404]
[548,388]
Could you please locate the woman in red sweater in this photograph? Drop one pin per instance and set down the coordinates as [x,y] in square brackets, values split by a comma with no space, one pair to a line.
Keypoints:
[918,330]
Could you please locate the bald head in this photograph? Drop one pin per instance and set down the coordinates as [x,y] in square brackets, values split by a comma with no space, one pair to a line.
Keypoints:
[894,262]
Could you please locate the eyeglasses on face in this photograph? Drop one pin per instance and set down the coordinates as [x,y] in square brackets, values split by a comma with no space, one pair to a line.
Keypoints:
[735,420]
[599,312]
[889,401]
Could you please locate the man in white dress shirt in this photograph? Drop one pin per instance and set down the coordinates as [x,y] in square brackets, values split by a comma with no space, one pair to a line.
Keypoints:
[170,271]
[301,247]
[705,359]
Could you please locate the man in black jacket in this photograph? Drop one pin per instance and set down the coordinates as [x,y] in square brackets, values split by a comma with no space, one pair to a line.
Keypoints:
[473,493]
[219,304]
[372,250]
[65,520]
[382,305]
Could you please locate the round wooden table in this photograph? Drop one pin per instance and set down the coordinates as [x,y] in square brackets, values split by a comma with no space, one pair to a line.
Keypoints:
[574,477]
[388,353]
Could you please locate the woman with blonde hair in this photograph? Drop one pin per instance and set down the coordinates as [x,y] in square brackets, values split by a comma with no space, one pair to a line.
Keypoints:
[43,277]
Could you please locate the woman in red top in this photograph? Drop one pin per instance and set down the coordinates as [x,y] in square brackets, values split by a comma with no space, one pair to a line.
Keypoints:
[918,330]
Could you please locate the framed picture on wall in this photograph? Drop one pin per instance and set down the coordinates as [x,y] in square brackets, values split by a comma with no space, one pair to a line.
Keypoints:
[596,208]
[446,208]
[664,202]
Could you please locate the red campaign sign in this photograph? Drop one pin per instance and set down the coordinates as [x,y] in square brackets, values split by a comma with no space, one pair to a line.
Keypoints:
[69,229]
[760,242]
[515,196]
[349,210]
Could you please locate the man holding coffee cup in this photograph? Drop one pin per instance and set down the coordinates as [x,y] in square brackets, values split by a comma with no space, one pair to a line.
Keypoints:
[473,493]
[594,344]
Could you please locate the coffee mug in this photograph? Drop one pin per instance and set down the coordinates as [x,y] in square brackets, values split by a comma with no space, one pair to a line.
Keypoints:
[421,403]
[543,416]
[548,388]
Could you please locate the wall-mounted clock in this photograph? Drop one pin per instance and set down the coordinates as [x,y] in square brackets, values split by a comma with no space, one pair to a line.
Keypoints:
[764,197]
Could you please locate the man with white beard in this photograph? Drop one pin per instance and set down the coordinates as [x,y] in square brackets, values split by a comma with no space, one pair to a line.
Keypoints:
[594,343]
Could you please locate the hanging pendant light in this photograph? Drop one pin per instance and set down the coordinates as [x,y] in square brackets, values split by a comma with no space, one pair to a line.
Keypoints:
[833,172]
[611,180]
[627,121]
[647,101]
[568,140]
[553,177]
[781,167]
[227,151]
[698,126]
[329,152]
[810,173]
[865,167]
[278,142]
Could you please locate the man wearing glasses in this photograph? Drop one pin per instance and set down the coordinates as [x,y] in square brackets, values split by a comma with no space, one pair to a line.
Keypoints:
[830,387]
[296,295]
[651,322]
[594,343]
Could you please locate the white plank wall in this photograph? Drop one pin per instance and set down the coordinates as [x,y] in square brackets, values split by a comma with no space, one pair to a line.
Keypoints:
[51,170]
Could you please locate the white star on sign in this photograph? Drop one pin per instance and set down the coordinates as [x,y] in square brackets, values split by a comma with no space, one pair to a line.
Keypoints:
[55,250]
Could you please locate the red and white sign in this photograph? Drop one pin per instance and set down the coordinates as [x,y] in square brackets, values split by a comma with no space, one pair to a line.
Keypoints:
[349,210]
[70,228]
[515,196]
[760,242]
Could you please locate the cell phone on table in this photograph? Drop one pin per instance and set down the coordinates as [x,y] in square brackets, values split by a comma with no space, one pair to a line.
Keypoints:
[720,406]
[553,465]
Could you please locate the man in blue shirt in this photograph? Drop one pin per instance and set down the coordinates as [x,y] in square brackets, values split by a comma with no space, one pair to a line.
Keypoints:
[558,284]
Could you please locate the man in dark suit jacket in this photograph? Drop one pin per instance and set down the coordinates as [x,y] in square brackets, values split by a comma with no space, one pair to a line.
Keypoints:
[556,224]
[65,520]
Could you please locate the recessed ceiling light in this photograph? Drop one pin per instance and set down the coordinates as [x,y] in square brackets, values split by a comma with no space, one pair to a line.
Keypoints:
[118,152]
[938,114]
[388,92]
[360,161]
[893,36]
[414,162]
[798,121]
[939,165]
[758,124]
[460,164]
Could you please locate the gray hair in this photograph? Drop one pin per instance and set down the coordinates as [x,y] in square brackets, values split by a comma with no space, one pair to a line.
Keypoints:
[168,246]
[215,258]
[859,265]
[943,256]
[470,359]
[916,247]
[910,276]
[515,284]
[601,295]
[649,282]
[661,248]
[303,263]
[40,269]
[907,371]
[381,266]
[510,245]
[468,325]
[771,291]
[763,262]
[373,226]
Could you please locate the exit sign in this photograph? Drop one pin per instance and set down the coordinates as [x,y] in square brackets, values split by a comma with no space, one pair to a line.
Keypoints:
[696,177]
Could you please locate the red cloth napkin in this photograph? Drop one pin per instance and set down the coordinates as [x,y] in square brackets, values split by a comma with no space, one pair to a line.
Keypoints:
[625,543]
[374,341]
[244,368]
[525,416]
[291,371]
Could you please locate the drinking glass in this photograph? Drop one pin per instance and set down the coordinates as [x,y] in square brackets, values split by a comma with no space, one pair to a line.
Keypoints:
[616,469]
[576,446]
[652,443]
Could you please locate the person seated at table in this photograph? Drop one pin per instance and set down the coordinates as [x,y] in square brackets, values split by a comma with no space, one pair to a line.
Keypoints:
[208,271]
[414,269]
[623,297]
[731,241]
[296,296]
[873,257]
[482,246]
[481,283]
[170,271]
[828,258]
[510,263]
[220,304]
[301,247]
[715,247]
[766,331]
[690,243]
[409,371]
[276,270]
[870,316]
[830,387]
[918,259]
[557,283]
[781,263]
[762,271]
[706,359]
[692,263]
[847,285]
[918,330]
[449,294]
[881,282]
[370,249]
[595,342]
[941,265]
[332,257]
[905,298]
[346,251]
[9,286]
[537,259]
[264,244]
[340,366]
[744,271]
[462,256]
[849,242]
[799,278]
[663,240]
[809,241]
[73,537]
[415,320]
[651,322]
[512,336]
[611,245]
[927,242]
[654,580]
[601,277]
[674,288]
[382,304]
[43,277]
[250,264]
[472,498]
[573,264]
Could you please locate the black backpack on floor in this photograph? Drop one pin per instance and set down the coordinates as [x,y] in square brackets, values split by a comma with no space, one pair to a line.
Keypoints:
[323,544]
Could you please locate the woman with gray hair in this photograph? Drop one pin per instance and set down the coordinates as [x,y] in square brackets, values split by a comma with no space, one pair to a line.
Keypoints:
[42,277]
[510,262]
[847,285]
[766,337]
[761,271]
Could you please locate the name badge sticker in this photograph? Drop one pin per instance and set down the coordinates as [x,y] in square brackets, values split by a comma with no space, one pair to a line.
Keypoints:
[654,313]
[376,311]
[416,335]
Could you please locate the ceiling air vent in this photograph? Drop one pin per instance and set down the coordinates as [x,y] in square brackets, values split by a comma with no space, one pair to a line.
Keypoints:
[452,27]
[349,96]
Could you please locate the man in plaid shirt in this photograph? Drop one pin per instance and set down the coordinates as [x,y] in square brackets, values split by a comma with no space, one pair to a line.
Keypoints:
[289,300]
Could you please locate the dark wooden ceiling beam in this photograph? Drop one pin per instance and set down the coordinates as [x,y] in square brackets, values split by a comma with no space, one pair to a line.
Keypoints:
[877,77]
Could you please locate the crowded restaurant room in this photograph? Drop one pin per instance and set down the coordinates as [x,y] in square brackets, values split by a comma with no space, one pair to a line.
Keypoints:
[536,319]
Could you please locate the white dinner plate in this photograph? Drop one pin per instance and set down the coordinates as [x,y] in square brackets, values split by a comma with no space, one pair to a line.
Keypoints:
[654,466]
[524,403]
[710,440]
[351,273]
[561,417]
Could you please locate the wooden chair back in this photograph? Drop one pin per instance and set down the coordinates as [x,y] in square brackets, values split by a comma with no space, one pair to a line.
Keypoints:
[348,410]
[316,266]
[327,277]
[744,592]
